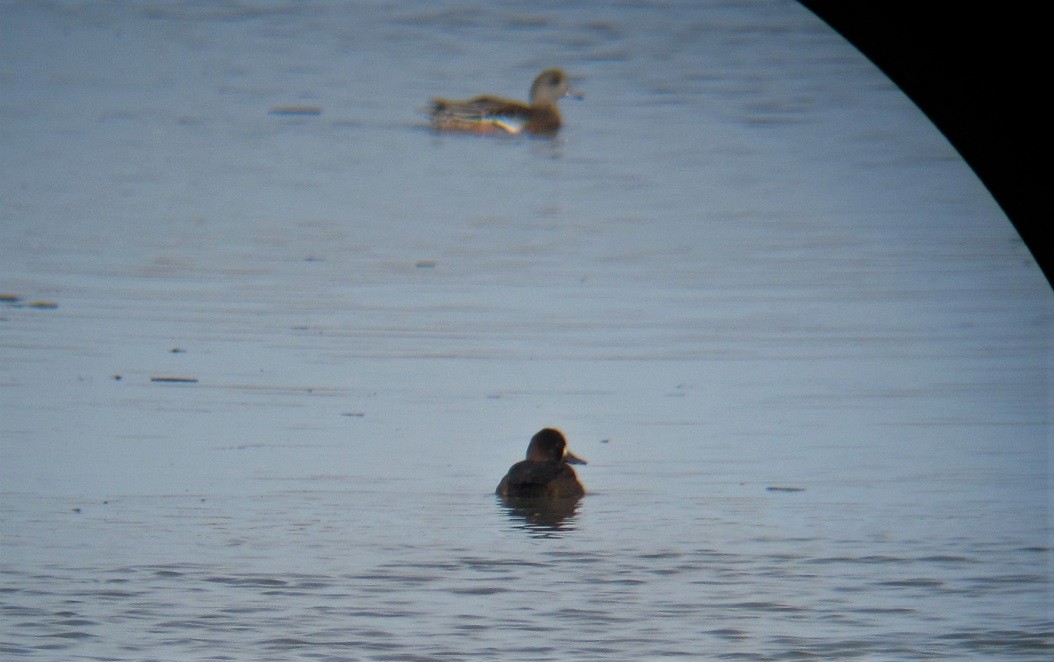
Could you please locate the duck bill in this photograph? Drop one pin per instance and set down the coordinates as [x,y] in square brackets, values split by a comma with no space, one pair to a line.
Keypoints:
[571,458]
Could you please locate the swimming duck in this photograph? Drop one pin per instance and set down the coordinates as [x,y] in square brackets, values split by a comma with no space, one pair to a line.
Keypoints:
[546,473]
[494,115]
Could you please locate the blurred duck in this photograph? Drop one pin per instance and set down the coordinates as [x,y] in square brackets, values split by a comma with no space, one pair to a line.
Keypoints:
[495,115]
[546,473]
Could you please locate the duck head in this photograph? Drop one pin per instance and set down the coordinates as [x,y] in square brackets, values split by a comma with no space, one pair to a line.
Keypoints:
[549,445]
[550,86]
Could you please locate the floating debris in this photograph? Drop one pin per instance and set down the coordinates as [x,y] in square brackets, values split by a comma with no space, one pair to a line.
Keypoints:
[295,110]
[353,414]
[10,298]
[177,350]
[784,488]
[175,380]
[425,264]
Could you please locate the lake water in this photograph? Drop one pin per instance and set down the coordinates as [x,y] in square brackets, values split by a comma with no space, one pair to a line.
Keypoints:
[264,371]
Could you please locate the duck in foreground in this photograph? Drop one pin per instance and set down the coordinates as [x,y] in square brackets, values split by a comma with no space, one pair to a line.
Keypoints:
[546,473]
[495,115]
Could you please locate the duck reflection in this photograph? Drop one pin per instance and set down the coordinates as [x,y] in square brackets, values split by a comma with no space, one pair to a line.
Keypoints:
[543,489]
[541,514]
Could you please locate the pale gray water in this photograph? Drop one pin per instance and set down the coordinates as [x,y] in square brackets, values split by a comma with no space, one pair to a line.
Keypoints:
[747,262]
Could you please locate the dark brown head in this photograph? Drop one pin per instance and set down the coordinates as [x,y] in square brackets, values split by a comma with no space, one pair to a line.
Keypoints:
[549,445]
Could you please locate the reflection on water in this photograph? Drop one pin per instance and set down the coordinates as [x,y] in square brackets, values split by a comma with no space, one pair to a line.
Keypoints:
[745,263]
[541,514]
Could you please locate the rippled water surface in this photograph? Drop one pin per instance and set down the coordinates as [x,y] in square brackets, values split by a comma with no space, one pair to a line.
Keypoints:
[260,372]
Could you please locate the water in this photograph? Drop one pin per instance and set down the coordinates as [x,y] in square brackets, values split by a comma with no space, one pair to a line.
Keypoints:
[748,262]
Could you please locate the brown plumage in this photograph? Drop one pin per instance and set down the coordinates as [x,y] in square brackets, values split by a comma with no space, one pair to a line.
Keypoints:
[495,115]
[546,473]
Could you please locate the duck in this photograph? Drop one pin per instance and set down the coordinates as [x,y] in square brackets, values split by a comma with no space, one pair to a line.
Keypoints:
[488,114]
[546,473]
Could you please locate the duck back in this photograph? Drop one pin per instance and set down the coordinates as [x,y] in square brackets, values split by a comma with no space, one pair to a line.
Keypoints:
[532,480]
